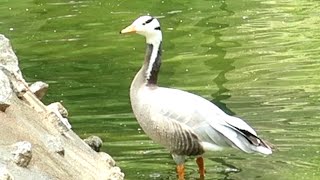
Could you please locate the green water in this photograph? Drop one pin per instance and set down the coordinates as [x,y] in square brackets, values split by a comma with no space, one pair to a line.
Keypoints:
[257,59]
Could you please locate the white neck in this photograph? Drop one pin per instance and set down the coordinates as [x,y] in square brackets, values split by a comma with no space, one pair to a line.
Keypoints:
[155,41]
[154,38]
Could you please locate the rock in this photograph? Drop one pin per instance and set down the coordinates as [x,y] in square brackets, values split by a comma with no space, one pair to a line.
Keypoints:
[107,158]
[60,113]
[57,152]
[94,142]
[60,123]
[22,154]
[3,106]
[55,145]
[39,88]
[5,174]
[5,88]
[116,173]
[33,101]
[7,56]
[9,66]
[57,106]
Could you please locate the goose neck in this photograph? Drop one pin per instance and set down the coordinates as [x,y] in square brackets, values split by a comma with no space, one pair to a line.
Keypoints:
[152,62]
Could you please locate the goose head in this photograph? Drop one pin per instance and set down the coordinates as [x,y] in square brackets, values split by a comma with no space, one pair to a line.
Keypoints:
[147,26]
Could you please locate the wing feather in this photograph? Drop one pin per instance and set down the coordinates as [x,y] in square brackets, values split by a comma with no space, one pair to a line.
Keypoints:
[209,123]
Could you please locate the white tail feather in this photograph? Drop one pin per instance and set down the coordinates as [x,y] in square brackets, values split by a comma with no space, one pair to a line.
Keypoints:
[240,140]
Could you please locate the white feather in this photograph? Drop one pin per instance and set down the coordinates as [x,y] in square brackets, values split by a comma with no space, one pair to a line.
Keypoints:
[214,127]
[152,60]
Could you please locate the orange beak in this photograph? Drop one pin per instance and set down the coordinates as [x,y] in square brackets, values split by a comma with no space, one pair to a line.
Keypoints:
[129,29]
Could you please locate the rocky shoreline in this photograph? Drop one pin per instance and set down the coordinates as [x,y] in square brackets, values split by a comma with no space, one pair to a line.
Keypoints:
[36,141]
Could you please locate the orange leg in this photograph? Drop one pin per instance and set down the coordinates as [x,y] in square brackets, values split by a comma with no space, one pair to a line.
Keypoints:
[180,171]
[200,163]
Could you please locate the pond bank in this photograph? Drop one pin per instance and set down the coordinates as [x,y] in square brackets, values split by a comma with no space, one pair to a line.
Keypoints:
[36,140]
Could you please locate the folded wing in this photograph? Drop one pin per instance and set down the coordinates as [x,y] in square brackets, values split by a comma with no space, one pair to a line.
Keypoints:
[194,115]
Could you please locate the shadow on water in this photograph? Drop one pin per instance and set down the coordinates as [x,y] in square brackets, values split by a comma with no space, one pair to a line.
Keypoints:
[231,169]
[224,7]
[219,62]
[220,80]
[224,65]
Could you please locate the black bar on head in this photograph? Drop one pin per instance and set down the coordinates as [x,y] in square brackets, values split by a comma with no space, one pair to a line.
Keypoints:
[149,21]
[157,28]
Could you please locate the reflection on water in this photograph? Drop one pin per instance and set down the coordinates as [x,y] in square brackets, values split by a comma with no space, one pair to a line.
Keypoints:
[256,59]
[219,62]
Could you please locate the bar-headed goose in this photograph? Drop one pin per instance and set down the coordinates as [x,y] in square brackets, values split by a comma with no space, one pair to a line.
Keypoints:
[184,123]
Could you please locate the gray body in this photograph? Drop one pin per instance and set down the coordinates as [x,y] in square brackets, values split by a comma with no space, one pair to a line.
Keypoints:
[184,123]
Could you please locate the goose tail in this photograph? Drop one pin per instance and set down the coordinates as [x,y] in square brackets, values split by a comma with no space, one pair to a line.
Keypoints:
[240,135]
[256,144]
[246,138]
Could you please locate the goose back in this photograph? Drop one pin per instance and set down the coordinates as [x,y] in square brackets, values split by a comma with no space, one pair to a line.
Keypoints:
[182,114]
